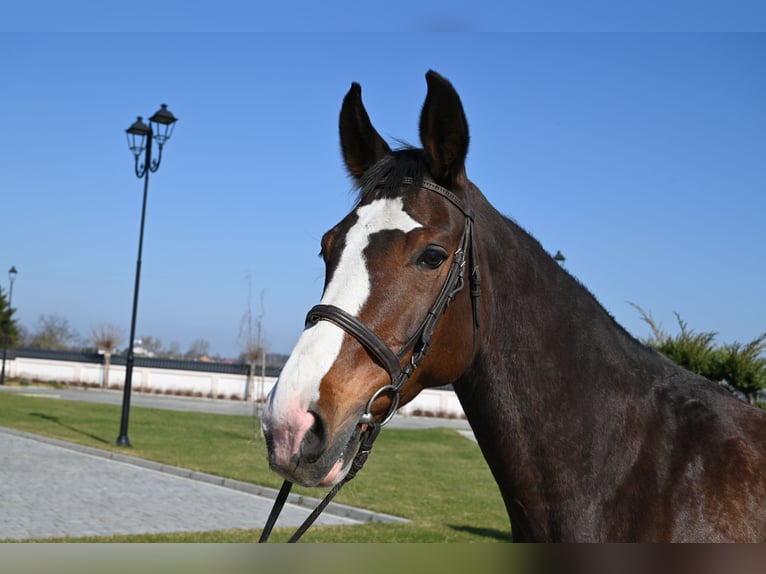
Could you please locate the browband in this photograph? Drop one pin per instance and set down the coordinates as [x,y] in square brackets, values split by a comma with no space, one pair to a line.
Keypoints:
[443,191]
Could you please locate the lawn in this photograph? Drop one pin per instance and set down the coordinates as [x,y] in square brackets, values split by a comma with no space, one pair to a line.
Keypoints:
[436,478]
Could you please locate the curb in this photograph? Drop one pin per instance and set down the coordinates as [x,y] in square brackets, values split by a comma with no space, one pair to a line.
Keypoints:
[335,509]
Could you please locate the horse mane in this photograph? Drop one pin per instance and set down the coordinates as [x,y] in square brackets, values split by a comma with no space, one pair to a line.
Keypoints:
[575,287]
[383,180]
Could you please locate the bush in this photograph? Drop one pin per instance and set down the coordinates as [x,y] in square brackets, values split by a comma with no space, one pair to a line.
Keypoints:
[743,366]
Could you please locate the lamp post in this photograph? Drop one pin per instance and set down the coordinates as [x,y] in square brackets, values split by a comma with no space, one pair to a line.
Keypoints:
[140,138]
[559,258]
[12,276]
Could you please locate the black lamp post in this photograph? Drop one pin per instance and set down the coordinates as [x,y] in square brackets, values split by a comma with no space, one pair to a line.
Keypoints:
[12,276]
[559,258]
[140,137]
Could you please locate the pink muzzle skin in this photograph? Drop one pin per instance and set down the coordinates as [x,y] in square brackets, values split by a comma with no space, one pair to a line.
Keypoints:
[287,437]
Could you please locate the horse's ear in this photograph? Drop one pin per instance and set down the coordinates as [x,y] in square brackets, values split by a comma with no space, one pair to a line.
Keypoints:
[444,132]
[362,146]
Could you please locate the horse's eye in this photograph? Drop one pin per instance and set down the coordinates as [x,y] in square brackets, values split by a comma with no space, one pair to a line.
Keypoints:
[432,258]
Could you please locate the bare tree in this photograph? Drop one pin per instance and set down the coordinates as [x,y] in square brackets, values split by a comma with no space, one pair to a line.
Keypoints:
[254,349]
[54,333]
[152,345]
[106,338]
[198,348]
[253,354]
[173,350]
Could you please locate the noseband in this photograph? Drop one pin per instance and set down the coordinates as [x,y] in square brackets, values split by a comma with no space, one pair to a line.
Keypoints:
[385,357]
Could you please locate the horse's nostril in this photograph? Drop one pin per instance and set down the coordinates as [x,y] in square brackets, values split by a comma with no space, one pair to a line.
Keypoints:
[315,439]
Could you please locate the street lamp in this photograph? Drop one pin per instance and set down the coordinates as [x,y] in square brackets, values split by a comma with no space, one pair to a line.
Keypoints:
[559,258]
[12,276]
[140,137]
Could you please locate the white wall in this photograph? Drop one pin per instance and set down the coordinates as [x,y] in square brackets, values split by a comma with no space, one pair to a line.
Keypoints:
[214,385]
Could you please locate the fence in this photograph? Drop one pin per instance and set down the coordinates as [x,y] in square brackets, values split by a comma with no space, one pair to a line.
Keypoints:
[192,378]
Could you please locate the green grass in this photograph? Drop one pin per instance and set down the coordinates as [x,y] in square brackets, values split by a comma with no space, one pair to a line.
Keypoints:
[435,477]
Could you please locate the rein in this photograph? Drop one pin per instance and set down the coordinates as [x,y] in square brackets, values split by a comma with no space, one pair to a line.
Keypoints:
[386,358]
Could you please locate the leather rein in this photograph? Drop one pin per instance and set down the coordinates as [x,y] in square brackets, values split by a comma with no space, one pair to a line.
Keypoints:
[385,357]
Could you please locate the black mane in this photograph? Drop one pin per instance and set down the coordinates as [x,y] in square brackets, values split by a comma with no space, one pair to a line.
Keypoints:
[384,179]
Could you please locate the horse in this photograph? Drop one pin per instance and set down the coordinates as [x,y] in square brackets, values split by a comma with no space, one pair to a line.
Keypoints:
[590,434]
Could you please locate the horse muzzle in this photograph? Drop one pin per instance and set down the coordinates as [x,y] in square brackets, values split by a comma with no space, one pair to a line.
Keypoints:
[305,451]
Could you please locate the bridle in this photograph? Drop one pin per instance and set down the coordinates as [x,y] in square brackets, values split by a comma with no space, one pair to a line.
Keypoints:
[421,339]
[385,357]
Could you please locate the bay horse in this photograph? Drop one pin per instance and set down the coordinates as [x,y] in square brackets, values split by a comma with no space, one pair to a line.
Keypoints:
[590,434]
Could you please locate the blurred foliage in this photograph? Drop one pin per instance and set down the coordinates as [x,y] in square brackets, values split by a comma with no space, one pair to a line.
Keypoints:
[8,324]
[54,333]
[743,366]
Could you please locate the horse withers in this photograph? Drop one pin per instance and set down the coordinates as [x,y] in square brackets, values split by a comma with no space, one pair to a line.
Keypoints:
[590,435]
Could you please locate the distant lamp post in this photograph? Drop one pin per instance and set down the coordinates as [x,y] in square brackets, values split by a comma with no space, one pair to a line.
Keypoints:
[559,258]
[12,276]
[140,138]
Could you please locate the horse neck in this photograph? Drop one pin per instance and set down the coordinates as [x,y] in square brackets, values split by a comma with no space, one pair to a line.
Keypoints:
[546,379]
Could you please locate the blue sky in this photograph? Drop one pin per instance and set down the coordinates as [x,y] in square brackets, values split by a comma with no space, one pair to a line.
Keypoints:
[642,157]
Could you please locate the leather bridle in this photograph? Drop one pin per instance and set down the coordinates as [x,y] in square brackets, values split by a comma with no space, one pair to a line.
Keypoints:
[385,357]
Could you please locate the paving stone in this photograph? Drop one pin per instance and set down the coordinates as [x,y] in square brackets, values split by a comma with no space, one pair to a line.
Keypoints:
[49,491]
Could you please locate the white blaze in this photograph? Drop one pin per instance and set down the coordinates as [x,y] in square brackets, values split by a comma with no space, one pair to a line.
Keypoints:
[318,347]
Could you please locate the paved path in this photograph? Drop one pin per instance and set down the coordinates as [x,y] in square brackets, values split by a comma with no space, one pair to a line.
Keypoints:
[51,488]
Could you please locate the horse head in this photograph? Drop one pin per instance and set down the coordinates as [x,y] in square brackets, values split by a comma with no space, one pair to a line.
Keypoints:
[395,268]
